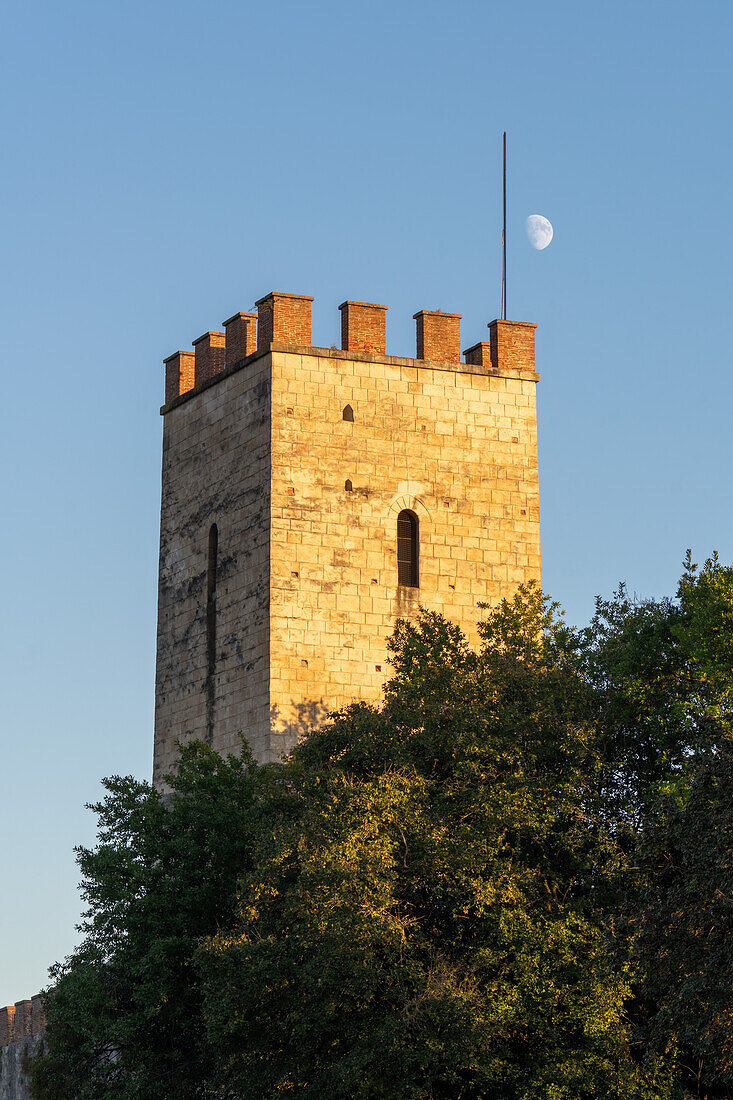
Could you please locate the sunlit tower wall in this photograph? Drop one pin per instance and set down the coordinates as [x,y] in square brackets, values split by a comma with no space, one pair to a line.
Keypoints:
[312,496]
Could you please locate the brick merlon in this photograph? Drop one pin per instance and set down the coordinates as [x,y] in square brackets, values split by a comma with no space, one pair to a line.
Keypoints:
[368,305]
[281,294]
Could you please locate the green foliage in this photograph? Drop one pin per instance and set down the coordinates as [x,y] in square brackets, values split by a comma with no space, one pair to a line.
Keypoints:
[510,881]
[124,1011]
[432,922]
[662,672]
[683,920]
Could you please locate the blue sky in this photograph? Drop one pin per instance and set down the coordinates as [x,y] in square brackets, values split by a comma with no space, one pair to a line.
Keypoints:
[167,164]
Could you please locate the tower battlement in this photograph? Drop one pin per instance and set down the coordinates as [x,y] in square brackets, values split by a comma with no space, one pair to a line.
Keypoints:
[312,496]
[285,319]
[23,1020]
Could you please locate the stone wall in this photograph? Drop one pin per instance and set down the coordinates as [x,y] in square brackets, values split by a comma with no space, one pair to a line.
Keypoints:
[455,445]
[216,470]
[13,1080]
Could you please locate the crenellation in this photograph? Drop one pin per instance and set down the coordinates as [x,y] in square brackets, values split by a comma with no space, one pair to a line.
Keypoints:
[209,356]
[23,1020]
[240,335]
[22,1033]
[7,1025]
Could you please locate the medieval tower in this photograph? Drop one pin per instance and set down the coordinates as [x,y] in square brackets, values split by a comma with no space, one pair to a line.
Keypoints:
[312,496]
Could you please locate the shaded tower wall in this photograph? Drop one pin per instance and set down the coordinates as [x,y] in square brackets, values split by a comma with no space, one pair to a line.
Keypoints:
[303,458]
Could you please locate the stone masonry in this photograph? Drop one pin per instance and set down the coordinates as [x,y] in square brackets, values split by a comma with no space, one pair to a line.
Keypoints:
[284,472]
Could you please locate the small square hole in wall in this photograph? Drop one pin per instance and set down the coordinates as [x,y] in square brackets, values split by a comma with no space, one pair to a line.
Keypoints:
[291,492]
[374,580]
[304,663]
[524,511]
[377,668]
[452,586]
[289,412]
[515,439]
[295,575]
[422,427]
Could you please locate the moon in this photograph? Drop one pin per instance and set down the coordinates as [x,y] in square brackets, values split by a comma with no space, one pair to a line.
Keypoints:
[539,231]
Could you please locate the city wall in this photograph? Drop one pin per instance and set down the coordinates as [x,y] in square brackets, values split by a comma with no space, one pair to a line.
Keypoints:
[22,1028]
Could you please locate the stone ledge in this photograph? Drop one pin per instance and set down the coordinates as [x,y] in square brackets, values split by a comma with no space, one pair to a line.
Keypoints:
[354,356]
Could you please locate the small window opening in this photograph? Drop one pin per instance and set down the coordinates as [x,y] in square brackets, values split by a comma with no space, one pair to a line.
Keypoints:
[348,414]
[407,549]
[348,486]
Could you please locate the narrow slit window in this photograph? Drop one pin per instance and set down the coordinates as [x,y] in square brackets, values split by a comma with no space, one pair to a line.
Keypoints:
[211,599]
[211,630]
[213,555]
[407,549]
[348,414]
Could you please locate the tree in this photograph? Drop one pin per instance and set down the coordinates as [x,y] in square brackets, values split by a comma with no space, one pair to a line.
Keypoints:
[662,672]
[433,921]
[460,893]
[124,1011]
[662,675]
[683,920]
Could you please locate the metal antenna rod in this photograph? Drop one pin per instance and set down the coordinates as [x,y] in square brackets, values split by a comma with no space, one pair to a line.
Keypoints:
[503,244]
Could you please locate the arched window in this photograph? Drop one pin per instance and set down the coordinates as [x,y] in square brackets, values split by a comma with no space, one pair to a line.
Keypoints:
[348,414]
[407,549]
[348,486]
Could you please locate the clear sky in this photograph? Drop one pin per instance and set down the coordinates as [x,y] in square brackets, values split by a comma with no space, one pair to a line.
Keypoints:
[164,164]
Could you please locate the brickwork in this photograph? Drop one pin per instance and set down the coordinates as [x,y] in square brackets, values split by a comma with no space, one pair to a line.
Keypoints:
[241,337]
[210,351]
[479,355]
[306,504]
[512,345]
[438,336]
[179,374]
[22,1020]
[283,319]
[7,1025]
[363,327]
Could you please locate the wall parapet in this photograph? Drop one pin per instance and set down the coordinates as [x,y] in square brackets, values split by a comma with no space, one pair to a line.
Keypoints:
[23,1020]
[285,320]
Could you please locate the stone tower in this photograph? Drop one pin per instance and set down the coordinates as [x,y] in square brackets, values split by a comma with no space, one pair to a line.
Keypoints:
[312,496]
